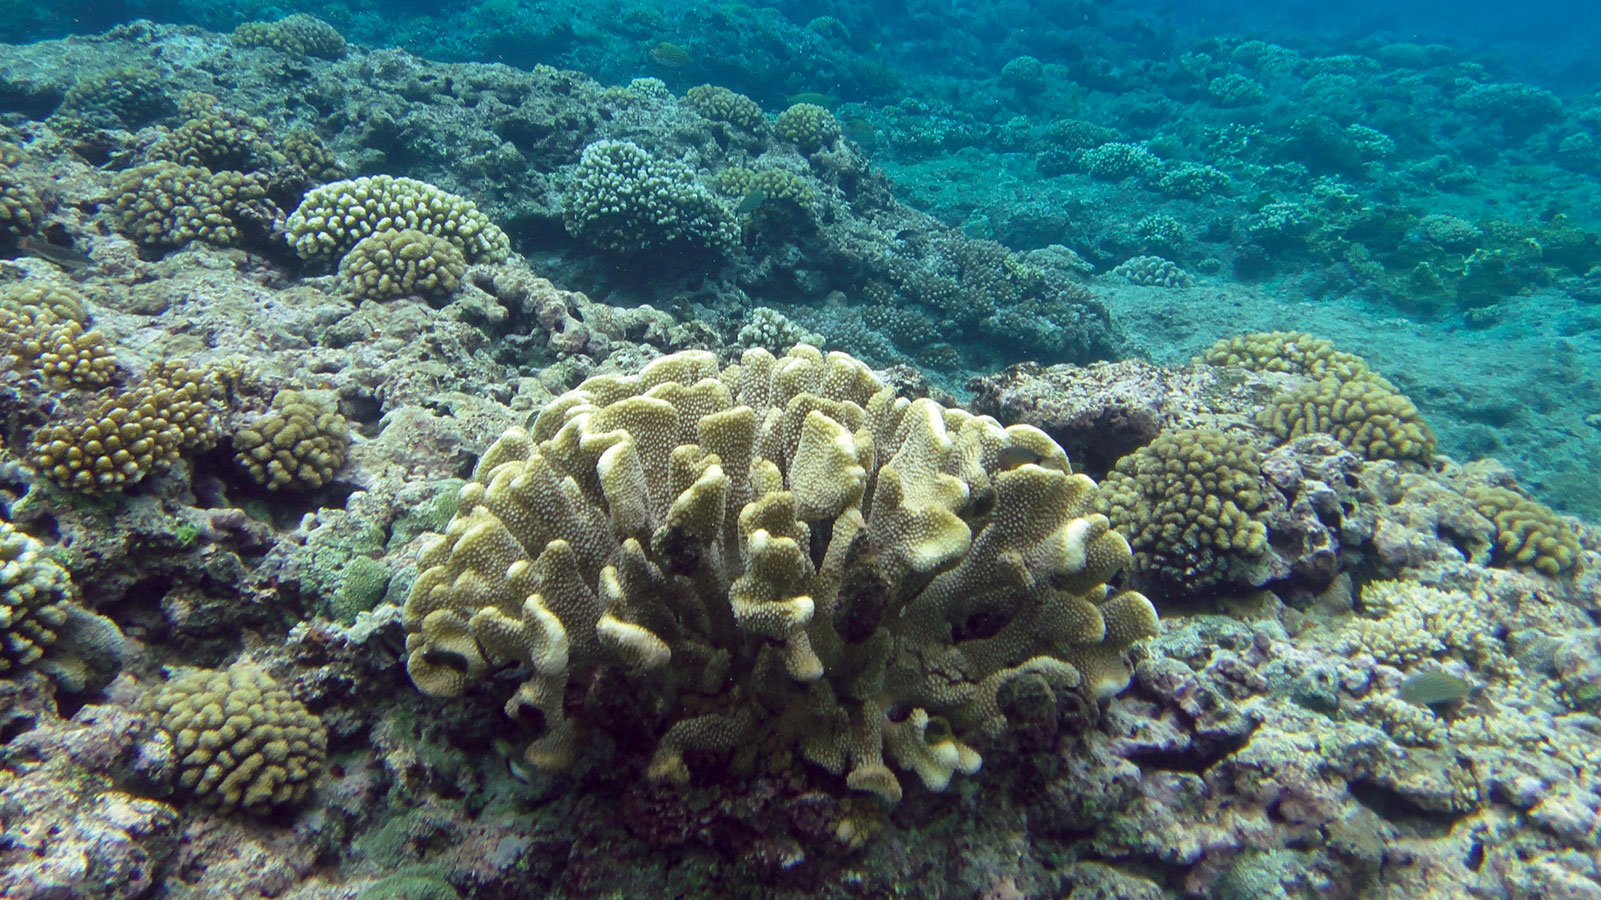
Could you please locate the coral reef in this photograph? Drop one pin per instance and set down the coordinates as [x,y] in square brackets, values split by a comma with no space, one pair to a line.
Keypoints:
[297,35]
[659,524]
[406,262]
[1527,533]
[165,204]
[1364,412]
[624,200]
[1153,271]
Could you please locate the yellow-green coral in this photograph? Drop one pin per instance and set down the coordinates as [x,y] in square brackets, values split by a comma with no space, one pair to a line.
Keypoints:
[243,742]
[809,126]
[334,217]
[389,264]
[793,553]
[39,295]
[724,105]
[164,204]
[125,434]
[298,35]
[298,445]
[1364,412]
[1293,352]
[34,597]
[1405,622]
[1153,271]
[1527,533]
[1192,503]
[305,149]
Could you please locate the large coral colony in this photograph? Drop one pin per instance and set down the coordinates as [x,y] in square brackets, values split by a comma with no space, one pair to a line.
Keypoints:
[343,555]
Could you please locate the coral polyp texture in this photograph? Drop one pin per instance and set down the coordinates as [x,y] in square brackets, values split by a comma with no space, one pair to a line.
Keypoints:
[1192,503]
[779,554]
[335,217]
[123,435]
[1291,352]
[21,208]
[244,744]
[1364,412]
[34,597]
[1153,271]
[166,204]
[723,105]
[297,445]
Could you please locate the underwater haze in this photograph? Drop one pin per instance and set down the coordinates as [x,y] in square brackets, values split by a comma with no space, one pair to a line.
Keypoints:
[1067,450]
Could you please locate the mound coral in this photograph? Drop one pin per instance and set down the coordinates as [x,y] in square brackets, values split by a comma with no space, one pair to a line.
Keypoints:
[297,35]
[34,597]
[782,554]
[298,445]
[1527,533]
[389,264]
[21,209]
[622,199]
[809,126]
[1192,503]
[333,218]
[123,435]
[243,743]
[1293,352]
[58,349]
[1364,412]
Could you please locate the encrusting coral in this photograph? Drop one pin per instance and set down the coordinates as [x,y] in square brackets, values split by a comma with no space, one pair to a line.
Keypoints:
[243,742]
[783,551]
[298,445]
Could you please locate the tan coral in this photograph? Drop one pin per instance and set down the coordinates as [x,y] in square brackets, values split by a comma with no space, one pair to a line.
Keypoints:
[58,349]
[791,552]
[243,743]
[34,597]
[1293,352]
[389,264]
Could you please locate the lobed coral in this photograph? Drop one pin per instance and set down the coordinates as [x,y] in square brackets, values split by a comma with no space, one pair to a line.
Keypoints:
[298,445]
[1153,271]
[624,200]
[809,126]
[1527,533]
[1193,504]
[335,217]
[780,554]
[297,35]
[389,264]
[124,435]
[723,105]
[124,97]
[217,138]
[244,744]
[776,186]
[165,204]
[768,328]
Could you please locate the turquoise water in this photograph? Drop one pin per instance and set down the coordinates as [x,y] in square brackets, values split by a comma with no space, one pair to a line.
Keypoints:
[409,488]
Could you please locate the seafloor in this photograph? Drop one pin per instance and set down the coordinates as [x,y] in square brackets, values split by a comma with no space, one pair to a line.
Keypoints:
[422,480]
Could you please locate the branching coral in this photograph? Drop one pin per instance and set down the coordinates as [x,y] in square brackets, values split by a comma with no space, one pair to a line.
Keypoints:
[243,743]
[34,598]
[781,553]
[1293,352]
[809,126]
[723,105]
[389,264]
[1364,412]
[1153,271]
[164,204]
[622,199]
[296,35]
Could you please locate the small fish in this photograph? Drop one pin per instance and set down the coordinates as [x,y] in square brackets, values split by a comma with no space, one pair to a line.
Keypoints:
[752,202]
[1014,456]
[65,257]
[1434,688]
[859,130]
[669,55]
